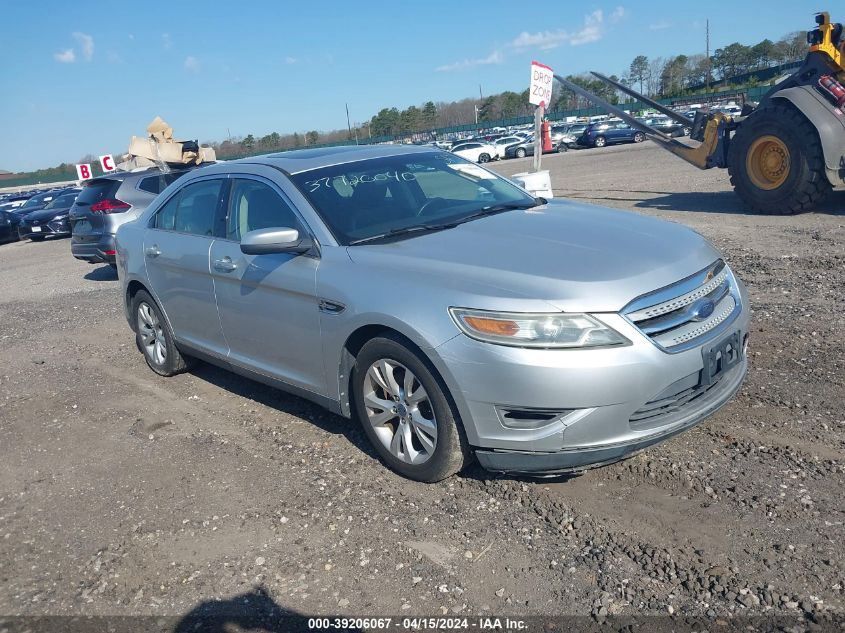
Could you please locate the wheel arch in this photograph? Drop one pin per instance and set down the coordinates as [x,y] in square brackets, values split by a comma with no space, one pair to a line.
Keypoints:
[829,128]
[364,333]
[132,289]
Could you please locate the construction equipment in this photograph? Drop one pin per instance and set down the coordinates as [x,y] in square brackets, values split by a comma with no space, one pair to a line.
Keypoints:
[783,154]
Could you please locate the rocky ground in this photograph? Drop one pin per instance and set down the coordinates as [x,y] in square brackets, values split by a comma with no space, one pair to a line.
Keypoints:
[122,493]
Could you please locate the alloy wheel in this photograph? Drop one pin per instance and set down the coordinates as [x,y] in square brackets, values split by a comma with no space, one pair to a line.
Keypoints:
[152,334]
[400,411]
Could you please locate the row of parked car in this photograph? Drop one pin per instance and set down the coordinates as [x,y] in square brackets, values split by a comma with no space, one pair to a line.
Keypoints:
[563,136]
[90,214]
[36,215]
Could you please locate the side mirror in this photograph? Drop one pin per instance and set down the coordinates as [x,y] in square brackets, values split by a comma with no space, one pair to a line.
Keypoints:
[274,240]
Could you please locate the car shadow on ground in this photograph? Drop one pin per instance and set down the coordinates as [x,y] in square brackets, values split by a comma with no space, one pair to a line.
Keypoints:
[332,423]
[327,421]
[253,611]
[725,202]
[102,273]
[285,403]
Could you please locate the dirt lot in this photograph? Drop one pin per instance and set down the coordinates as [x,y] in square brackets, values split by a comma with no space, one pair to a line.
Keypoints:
[125,493]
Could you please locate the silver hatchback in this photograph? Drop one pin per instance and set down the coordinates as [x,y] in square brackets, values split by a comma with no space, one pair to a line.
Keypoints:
[449,311]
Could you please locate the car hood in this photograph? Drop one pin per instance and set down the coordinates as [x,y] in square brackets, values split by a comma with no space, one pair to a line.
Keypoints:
[573,256]
[24,212]
[47,214]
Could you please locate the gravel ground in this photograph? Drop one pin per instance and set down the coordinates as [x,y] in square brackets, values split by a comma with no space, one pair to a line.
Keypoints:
[122,493]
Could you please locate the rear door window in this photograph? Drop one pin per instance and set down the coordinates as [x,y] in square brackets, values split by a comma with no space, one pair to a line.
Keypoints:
[192,210]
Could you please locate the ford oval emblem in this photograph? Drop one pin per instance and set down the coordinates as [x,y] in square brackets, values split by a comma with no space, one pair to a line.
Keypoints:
[703,310]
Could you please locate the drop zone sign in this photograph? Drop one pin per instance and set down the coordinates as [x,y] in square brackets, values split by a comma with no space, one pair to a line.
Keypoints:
[542,78]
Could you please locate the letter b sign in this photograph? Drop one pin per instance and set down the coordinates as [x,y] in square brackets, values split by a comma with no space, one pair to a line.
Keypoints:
[83,172]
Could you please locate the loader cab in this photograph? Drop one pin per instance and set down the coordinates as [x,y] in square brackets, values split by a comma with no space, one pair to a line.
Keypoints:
[827,38]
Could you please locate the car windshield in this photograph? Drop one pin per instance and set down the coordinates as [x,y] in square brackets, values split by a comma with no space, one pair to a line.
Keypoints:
[372,197]
[35,200]
[62,201]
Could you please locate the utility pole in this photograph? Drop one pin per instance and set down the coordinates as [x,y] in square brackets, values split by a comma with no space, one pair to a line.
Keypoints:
[349,126]
[707,54]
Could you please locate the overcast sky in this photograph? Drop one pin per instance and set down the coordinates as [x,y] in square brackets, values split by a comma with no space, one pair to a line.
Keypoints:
[82,77]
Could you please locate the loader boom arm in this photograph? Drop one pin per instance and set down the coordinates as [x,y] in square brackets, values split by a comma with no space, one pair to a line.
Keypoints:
[705,156]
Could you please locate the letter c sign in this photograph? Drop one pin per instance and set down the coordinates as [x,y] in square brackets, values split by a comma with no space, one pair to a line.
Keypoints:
[107,163]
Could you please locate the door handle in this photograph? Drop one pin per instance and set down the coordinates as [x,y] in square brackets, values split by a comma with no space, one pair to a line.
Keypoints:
[152,252]
[225,265]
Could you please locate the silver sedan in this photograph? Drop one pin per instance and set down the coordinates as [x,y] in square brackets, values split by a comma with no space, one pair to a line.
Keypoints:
[447,310]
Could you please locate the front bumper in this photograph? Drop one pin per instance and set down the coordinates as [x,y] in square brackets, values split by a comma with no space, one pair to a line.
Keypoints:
[550,411]
[574,460]
[54,228]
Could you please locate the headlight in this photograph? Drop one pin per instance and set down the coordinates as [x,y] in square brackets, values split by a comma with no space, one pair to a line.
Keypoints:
[556,329]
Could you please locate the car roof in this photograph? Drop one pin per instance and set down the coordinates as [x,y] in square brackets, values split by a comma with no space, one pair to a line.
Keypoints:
[300,160]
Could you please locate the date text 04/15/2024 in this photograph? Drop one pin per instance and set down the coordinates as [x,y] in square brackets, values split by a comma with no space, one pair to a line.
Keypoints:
[485,623]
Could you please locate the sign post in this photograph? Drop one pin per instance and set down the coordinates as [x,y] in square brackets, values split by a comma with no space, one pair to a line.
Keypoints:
[540,95]
[538,136]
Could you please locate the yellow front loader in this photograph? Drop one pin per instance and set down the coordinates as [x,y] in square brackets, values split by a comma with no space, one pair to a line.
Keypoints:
[783,154]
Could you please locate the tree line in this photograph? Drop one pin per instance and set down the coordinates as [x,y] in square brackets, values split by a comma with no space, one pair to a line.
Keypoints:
[656,77]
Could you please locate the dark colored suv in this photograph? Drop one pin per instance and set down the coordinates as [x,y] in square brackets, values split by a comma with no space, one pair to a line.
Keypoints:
[109,201]
[607,133]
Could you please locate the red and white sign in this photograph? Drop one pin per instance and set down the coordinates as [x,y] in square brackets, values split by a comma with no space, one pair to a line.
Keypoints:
[107,163]
[83,172]
[542,79]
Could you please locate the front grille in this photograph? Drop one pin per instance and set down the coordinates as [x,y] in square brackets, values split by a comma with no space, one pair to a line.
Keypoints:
[679,398]
[677,316]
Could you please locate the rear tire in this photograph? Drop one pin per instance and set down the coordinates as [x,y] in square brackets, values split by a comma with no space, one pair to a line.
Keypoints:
[450,452]
[36,238]
[154,338]
[484,158]
[776,163]
[639,137]
[520,153]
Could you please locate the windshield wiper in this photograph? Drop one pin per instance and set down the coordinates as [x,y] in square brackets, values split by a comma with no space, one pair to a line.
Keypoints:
[405,230]
[428,228]
[500,208]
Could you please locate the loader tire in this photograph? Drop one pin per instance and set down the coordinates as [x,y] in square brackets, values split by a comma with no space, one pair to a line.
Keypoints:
[776,162]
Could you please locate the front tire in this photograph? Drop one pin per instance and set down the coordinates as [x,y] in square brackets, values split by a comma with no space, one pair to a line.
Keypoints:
[520,153]
[484,158]
[776,163]
[639,137]
[406,413]
[154,338]
[600,141]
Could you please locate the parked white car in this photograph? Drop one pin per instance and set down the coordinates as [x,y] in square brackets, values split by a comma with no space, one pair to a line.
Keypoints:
[476,152]
[501,144]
